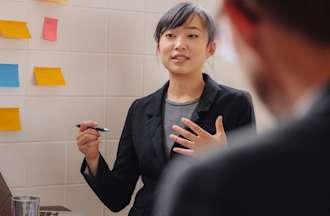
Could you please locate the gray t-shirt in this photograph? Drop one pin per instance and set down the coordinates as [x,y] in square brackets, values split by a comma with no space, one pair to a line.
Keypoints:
[173,113]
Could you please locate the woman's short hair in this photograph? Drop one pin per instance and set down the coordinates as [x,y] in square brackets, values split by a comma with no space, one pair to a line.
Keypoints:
[179,14]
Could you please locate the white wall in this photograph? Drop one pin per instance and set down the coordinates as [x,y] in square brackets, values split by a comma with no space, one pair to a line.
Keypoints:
[106,52]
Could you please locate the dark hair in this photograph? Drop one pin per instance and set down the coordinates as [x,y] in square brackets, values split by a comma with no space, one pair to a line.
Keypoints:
[311,17]
[179,14]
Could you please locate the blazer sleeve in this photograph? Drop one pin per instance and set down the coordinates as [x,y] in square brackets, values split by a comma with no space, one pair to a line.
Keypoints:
[115,187]
[245,111]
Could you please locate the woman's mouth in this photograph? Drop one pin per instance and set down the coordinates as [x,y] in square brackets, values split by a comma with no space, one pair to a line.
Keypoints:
[180,58]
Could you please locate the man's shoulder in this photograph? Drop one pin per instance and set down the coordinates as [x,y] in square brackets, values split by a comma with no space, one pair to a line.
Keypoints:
[279,162]
[299,140]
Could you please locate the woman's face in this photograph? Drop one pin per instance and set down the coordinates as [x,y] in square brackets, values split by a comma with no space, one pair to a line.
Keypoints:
[183,50]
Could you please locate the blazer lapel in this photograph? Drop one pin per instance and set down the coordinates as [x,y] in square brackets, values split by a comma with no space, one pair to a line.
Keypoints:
[154,123]
[207,98]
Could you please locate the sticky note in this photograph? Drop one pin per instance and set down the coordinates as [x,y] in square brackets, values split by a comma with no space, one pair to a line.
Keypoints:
[50,29]
[9,119]
[49,76]
[14,29]
[9,75]
[56,1]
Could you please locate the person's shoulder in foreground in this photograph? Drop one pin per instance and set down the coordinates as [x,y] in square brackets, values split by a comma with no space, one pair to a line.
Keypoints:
[280,173]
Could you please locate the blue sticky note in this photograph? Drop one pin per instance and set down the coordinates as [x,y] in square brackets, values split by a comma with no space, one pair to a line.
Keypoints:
[9,75]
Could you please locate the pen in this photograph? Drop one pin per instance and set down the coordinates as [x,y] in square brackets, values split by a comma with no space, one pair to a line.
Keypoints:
[97,128]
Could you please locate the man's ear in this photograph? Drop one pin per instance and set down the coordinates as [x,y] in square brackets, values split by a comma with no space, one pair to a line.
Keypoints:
[241,23]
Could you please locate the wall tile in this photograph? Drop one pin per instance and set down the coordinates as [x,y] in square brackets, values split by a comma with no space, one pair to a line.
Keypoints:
[45,163]
[126,32]
[125,76]
[151,20]
[154,74]
[82,199]
[37,11]
[134,5]
[13,164]
[88,3]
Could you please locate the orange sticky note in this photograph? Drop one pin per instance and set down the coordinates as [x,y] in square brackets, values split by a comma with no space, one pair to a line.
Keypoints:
[49,76]
[14,29]
[50,29]
[9,119]
[57,1]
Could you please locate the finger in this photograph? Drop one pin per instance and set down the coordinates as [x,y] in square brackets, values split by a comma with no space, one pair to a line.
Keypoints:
[93,144]
[194,127]
[186,152]
[186,134]
[88,131]
[86,138]
[87,124]
[219,125]
[182,141]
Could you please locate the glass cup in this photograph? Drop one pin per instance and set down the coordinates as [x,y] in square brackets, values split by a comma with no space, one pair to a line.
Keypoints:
[25,206]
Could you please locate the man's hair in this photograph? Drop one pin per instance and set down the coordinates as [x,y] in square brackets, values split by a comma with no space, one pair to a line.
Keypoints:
[179,14]
[311,17]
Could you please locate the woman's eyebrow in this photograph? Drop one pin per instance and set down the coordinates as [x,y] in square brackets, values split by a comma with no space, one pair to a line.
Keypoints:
[193,28]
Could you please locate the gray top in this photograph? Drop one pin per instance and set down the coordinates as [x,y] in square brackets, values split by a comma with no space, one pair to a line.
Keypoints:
[173,113]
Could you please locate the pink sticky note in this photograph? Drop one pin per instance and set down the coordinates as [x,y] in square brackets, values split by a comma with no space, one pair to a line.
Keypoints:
[50,29]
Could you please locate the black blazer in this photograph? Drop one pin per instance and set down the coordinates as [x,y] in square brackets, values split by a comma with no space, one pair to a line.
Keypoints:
[285,172]
[141,150]
[5,198]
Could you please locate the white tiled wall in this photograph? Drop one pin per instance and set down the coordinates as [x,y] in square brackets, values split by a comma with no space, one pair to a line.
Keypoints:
[106,51]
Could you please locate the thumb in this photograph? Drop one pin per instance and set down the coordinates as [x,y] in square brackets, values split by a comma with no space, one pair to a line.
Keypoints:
[219,125]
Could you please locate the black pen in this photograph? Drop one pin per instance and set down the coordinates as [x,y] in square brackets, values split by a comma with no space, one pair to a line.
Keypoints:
[97,128]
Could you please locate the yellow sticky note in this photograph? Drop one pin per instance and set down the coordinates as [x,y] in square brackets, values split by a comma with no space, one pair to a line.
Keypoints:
[14,29]
[49,76]
[57,1]
[9,119]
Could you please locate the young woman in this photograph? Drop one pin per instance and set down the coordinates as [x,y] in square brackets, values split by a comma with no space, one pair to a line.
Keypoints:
[185,38]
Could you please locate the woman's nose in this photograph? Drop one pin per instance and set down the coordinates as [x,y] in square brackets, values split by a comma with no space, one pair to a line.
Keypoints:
[180,43]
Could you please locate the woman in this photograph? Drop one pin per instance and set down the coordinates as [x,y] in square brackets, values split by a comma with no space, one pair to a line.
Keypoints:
[185,40]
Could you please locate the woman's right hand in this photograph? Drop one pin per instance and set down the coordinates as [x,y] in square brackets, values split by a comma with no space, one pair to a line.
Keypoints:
[88,141]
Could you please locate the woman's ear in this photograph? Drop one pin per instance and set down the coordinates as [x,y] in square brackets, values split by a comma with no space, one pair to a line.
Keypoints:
[211,47]
[157,48]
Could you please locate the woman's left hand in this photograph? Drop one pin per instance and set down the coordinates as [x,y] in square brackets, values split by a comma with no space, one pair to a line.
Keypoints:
[199,142]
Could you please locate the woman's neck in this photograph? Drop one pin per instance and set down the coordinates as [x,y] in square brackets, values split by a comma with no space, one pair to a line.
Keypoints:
[184,88]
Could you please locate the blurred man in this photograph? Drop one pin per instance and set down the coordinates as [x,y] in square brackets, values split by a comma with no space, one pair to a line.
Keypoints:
[284,46]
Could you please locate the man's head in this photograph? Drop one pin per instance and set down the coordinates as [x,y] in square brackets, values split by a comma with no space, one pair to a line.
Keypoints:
[285,45]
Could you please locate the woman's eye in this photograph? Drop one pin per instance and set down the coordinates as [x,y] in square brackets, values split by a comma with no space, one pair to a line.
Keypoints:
[193,36]
[169,35]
